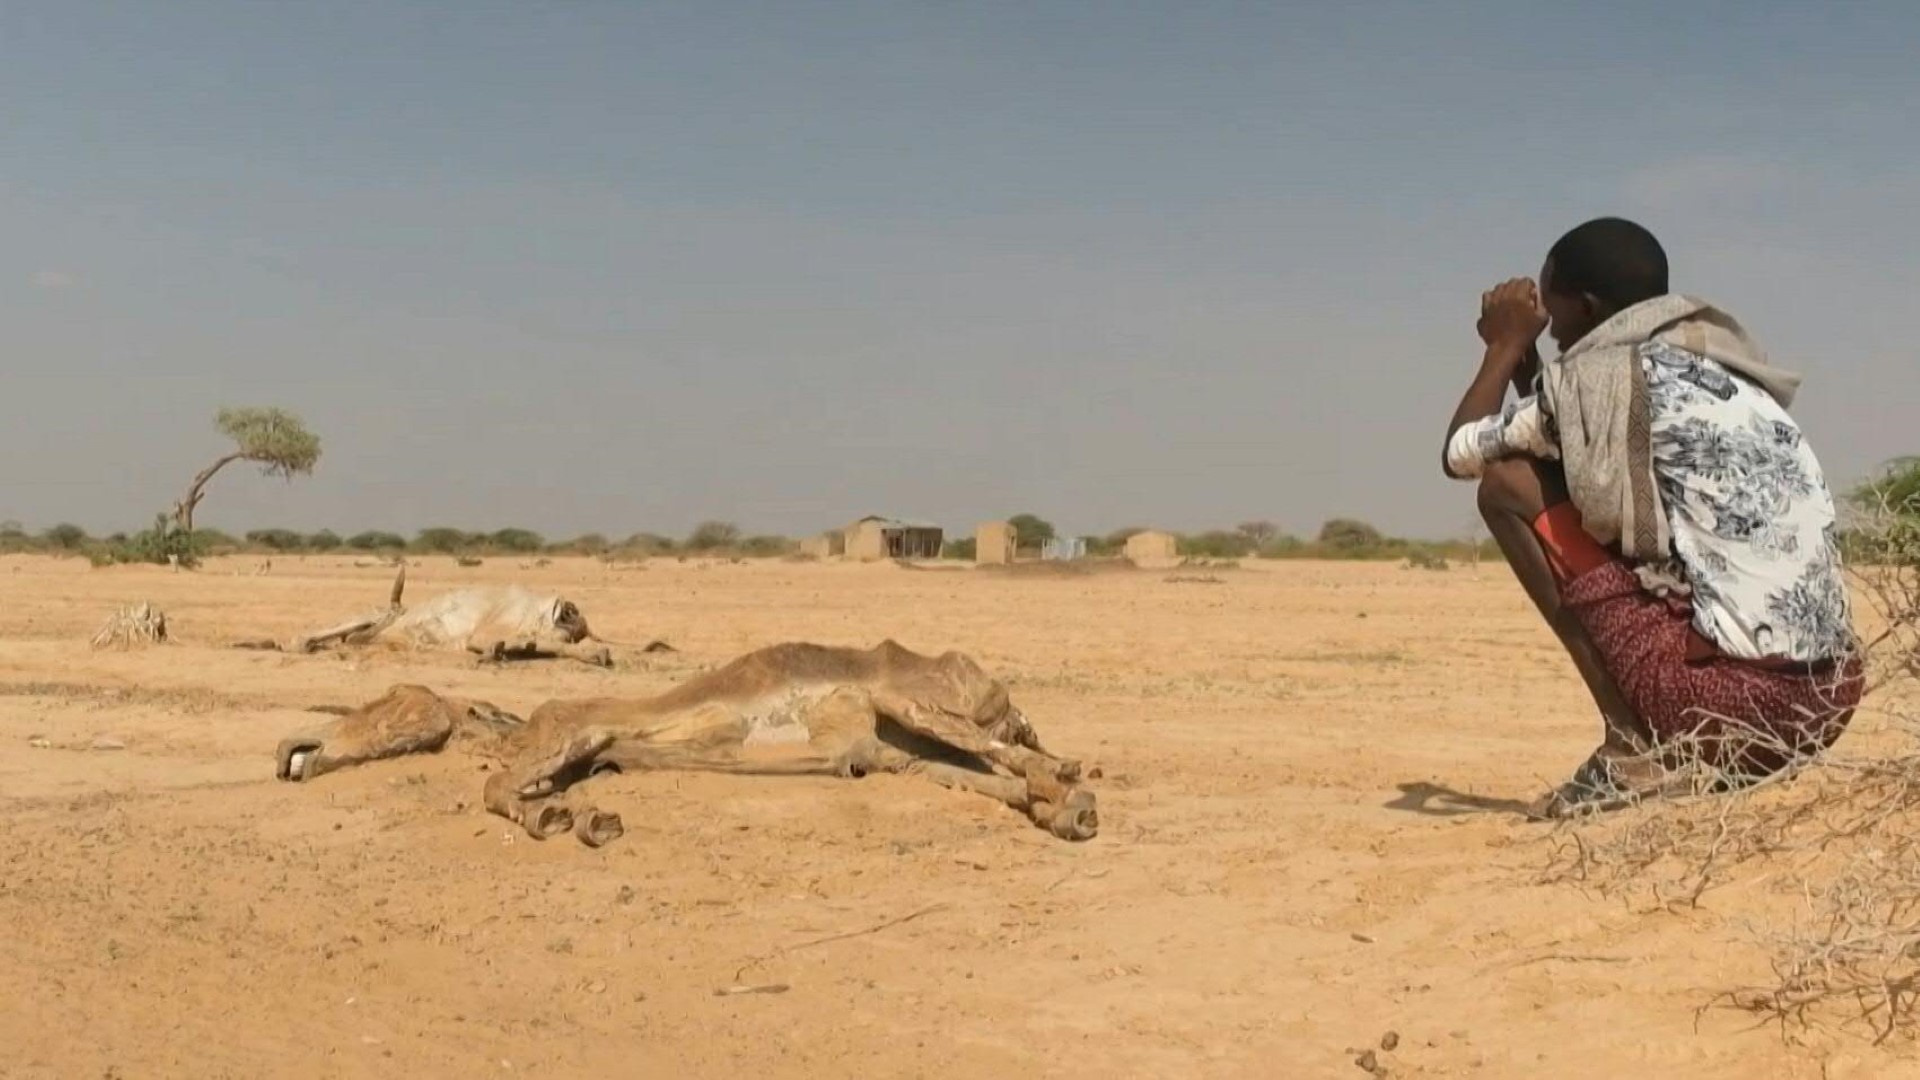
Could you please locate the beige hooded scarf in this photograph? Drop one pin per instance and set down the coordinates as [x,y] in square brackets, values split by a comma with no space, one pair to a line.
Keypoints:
[1596,393]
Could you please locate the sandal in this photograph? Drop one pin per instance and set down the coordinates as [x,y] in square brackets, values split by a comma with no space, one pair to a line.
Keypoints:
[1603,782]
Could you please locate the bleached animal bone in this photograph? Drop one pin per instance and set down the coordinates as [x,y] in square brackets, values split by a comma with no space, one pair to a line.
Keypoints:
[135,624]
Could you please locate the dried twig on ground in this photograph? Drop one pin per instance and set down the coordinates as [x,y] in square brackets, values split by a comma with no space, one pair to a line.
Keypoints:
[862,932]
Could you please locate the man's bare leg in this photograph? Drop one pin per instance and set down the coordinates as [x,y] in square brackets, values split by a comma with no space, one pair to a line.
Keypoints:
[1513,494]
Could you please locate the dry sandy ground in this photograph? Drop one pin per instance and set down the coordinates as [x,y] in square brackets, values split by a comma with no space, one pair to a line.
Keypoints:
[1281,878]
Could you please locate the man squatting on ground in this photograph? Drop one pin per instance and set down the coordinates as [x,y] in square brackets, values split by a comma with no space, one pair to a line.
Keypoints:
[1665,515]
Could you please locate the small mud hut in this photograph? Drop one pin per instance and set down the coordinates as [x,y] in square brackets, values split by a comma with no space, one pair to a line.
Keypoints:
[1153,548]
[993,543]
[874,537]
[826,545]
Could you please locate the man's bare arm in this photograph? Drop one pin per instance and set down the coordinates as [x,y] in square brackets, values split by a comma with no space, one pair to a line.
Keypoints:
[1511,320]
[1524,374]
[1485,394]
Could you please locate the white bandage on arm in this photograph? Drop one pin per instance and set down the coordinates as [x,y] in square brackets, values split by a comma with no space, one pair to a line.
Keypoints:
[1520,428]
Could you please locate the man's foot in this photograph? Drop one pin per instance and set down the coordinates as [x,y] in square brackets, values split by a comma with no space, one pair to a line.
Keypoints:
[1609,780]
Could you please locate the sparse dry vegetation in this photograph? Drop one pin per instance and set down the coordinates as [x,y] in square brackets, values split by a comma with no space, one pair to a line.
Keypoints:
[165,541]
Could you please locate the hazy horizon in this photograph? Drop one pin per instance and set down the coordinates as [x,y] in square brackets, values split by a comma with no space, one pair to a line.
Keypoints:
[606,267]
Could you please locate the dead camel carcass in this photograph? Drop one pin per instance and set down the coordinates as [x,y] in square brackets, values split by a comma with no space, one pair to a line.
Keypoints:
[788,710]
[498,622]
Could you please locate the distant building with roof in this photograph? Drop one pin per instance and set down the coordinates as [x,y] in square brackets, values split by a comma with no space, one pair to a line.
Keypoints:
[877,537]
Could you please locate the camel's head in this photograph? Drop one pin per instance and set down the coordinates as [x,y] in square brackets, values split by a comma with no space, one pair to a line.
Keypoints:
[1013,728]
[568,620]
[994,709]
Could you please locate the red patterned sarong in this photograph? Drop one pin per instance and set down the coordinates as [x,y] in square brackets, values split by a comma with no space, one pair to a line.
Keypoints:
[1734,714]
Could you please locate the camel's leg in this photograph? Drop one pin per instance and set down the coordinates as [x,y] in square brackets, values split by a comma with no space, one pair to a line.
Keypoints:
[963,734]
[358,629]
[596,828]
[1062,809]
[492,649]
[354,631]
[522,792]
[1007,789]
[407,720]
[590,653]
[1051,799]
[490,719]
[637,756]
[1066,811]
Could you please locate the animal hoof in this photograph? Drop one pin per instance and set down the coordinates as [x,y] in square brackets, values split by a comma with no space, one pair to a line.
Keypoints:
[547,821]
[1077,819]
[295,759]
[596,829]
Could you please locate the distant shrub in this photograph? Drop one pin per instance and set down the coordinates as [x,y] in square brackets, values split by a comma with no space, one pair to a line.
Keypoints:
[517,541]
[1348,535]
[960,549]
[277,539]
[441,541]
[766,547]
[1030,531]
[1114,543]
[164,544]
[376,541]
[1896,489]
[1425,558]
[639,546]
[1217,544]
[1282,547]
[65,538]
[588,544]
[713,536]
[1260,533]
[214,542]
[1886,516]
[14,539]
[324,540]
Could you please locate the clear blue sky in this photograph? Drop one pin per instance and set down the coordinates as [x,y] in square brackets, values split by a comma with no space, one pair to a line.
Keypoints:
[622,266]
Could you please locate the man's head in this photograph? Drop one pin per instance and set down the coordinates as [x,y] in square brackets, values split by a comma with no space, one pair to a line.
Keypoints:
[1600,268]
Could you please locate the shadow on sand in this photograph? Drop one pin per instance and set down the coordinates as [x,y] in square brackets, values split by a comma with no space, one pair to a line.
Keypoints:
[1435,800]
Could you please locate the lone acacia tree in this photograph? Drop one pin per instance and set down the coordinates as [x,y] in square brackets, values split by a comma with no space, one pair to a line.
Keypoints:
[1261,533]
[274,438]
[1030,531]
